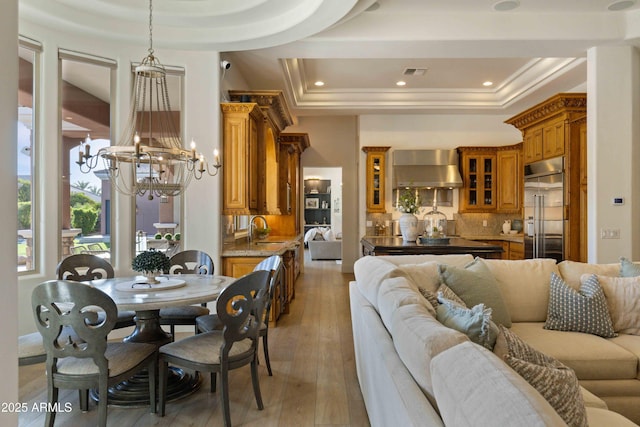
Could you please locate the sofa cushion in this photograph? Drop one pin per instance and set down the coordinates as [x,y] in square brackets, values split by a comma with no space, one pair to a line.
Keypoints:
[628,268]
[525,286]
[474,388]
[578,311]
[572,271]
[475,284]
[558,384]
[458,260]
[602,417]
[418,337]
[623,301]
[423,275]
[473,322]
[631,343]
[370,271]
[396,292]
[602,361]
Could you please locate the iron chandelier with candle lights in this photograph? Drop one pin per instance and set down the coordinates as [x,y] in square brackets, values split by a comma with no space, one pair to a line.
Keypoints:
[149,158]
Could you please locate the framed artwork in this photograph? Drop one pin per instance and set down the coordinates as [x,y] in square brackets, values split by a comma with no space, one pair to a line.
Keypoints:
[312,203]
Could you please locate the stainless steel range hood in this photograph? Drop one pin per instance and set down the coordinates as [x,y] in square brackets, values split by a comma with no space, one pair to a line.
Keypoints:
[426,169]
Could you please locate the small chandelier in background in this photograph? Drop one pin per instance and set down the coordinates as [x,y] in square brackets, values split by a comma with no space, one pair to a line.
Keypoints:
[149,158]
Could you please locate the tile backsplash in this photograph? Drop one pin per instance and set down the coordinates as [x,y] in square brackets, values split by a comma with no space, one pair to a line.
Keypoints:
[471,224]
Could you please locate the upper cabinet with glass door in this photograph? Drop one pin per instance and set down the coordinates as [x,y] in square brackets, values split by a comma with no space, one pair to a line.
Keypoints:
[376,178]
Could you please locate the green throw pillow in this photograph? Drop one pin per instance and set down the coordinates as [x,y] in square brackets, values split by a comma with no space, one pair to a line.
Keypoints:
[474,322]
[578,311]
[628,269]
[475,284]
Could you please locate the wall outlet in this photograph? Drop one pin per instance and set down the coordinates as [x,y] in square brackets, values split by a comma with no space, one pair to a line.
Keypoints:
[484,222]
[609,233]
[369,223]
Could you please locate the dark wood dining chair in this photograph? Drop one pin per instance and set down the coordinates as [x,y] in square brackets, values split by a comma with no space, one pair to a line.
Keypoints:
[240,308]
[84,359]
[85,267]
[211,322]
[187,262]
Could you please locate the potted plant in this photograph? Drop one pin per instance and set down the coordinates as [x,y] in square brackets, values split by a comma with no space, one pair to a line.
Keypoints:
[409,204]
[262,233]
[168,236]
[157,236]
[176,237]
[150,263]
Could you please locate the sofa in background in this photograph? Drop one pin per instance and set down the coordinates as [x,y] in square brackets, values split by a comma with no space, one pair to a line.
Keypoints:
[323,244]
[414,371]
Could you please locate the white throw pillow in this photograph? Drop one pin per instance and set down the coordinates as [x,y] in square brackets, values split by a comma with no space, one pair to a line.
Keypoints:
[328,235]
[623,300]
[424,276]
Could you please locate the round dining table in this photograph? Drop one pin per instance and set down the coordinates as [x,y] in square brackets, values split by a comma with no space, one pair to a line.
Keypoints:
[134,293]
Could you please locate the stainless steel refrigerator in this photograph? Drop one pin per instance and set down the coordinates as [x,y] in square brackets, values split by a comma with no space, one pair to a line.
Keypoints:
[544,209]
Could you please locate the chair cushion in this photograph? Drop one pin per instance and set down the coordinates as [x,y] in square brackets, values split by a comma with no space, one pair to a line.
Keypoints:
[204,348]
[572,271]
[395,292]
[186,312]
[122,357]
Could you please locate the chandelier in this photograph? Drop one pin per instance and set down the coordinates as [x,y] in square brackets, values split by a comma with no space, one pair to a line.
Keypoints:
[149,158]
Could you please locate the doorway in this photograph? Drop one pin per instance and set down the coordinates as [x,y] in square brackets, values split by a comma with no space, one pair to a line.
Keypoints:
[322,207]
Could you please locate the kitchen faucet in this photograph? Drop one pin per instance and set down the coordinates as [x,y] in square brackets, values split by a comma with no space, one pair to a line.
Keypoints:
[252,224]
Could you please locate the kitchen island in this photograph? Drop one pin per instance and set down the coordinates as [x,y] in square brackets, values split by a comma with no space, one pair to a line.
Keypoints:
[388,245]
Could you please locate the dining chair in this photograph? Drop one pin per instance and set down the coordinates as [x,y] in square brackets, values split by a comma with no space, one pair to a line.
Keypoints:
[240,308]
[85,267]
[187,262]
[211,322]
[85,360]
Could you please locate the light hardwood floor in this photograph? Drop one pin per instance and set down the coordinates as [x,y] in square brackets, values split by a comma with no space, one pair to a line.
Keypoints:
[313,384]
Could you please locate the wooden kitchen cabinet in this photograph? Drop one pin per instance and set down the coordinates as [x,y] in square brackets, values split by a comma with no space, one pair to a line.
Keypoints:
[516,250]
[510,182]
[263,170]
[492,179]
[478,193]
[241,124]
[547,127]
[376,178]
[560,125]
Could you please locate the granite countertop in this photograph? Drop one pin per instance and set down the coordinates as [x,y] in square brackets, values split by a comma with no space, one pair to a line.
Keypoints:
[272,245]
[518,238]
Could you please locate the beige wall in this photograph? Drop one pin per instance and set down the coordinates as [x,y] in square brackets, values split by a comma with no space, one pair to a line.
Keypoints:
[8,133]
[334,144]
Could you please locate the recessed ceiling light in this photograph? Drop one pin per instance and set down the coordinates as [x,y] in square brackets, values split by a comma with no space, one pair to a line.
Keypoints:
[621,5]
[505,5]
[487,83]
[401,83]
[319,83]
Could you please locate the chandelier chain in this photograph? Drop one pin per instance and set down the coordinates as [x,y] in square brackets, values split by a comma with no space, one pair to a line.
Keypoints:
[150,27]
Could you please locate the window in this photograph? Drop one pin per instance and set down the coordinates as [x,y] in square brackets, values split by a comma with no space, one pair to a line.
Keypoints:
[28,52]
[158,219]
[85,111]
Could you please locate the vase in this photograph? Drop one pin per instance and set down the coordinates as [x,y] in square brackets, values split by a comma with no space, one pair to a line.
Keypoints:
[151,278]
[409,227]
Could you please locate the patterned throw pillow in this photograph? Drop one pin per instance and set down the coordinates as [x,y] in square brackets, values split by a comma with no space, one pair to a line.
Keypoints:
[475,284]
[628,268]
[558,385]
[578,311]
[556,382]
[443,291]
[474,322]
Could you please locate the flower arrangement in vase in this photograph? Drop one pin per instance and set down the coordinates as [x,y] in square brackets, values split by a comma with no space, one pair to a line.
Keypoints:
[150,263]
[408,202]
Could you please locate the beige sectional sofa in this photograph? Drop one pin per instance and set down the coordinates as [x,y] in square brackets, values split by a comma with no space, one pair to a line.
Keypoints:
[414,371]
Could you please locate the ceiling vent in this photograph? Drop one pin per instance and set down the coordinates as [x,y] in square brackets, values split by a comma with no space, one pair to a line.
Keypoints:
[415,71]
